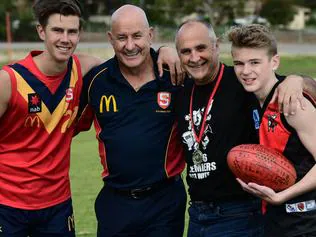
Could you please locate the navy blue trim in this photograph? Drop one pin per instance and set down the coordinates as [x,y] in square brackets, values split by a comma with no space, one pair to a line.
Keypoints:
[51,100]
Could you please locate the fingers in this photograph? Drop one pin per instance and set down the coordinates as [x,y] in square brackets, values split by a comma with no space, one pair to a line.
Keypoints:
[160,68]
[275,96]
[173,73]
[301,101]
[180,74]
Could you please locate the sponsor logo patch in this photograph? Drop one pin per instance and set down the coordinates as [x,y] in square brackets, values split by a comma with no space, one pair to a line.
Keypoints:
[109,103]
[301,206]
[256,118]
[34,103]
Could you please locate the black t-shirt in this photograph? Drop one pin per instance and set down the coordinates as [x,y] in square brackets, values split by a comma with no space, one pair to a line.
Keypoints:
[228,124]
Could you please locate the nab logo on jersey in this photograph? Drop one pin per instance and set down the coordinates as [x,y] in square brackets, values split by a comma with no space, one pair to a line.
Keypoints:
[164,99]
[34,103]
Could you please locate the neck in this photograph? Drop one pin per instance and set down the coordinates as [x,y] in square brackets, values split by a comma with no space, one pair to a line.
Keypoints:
[48,66]
[211,77]
[262,93]
[138,76]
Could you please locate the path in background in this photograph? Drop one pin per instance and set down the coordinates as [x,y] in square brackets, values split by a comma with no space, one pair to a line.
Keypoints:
[284,48]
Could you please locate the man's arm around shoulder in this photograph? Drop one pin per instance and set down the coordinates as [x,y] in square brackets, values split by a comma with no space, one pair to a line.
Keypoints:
[88,62]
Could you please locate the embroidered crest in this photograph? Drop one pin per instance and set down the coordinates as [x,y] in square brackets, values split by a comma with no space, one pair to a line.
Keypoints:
[164,99]
[271,122]
[69,94]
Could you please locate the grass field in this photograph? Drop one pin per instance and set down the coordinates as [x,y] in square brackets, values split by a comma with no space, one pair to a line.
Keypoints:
[86,170]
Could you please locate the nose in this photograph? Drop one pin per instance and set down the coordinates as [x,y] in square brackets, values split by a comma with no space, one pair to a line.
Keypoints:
[194,57]
[130,44]
[246,69]
[65,37]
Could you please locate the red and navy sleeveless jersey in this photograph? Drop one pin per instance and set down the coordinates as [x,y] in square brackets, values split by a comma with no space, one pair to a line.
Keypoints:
[275,132]
[35,135]
[137,134]
[292,218]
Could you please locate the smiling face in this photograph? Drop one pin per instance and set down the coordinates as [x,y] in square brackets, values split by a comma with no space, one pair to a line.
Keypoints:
[255,69]
[61,36]
[198,51]
[131,37]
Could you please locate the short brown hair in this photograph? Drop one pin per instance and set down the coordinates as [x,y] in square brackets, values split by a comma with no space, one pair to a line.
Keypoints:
[43,9]
[253,36]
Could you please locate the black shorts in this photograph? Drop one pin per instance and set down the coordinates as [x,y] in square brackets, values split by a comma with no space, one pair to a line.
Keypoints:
[55,221]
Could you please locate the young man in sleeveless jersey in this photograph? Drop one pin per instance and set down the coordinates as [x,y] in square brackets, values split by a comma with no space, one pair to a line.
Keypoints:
[291,212]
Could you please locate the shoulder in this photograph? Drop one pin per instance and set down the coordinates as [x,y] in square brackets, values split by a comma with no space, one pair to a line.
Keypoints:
[4,76]
[303,118]
[5,86]
[100,71]
[87,62]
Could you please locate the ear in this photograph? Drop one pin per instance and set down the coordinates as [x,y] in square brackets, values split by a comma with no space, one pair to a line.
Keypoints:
[151,34]
[275,60]
[110,37]
[40,31]
[216,49]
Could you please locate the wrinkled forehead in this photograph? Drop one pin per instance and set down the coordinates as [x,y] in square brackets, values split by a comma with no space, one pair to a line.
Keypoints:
[194,34]
[129,25]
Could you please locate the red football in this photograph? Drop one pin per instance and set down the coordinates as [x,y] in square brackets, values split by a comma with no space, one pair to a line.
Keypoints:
[262,165]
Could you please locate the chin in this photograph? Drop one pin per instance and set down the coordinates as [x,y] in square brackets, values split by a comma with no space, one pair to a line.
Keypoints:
[250,88]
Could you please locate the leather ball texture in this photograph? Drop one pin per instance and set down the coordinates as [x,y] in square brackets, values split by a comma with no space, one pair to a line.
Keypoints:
[262,165]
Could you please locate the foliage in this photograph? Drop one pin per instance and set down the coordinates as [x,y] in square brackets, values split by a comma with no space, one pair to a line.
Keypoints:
[26,30]
[278,12]
[5,6]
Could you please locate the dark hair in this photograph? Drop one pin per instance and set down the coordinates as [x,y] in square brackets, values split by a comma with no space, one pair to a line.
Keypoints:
[43,9]
[253,36]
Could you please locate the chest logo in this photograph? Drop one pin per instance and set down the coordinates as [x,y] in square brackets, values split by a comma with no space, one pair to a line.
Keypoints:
[34,103]
[271,122]
[109,103]
[69,95]
[164,99]
[31,122]
[256,118]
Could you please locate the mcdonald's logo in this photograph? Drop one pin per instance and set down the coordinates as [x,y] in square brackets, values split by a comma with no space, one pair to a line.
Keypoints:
[32,122]
[108,101]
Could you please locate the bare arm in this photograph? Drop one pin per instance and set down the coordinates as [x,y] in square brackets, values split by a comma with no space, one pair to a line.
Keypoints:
[5,91]
[88,62]
[291,90]
[309,86]
[304,124]
[169,56]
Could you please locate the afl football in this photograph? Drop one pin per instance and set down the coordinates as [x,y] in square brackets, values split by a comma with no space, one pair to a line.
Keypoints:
[262,165]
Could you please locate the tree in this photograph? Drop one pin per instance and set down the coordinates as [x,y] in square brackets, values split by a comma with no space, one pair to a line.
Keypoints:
[278,12]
